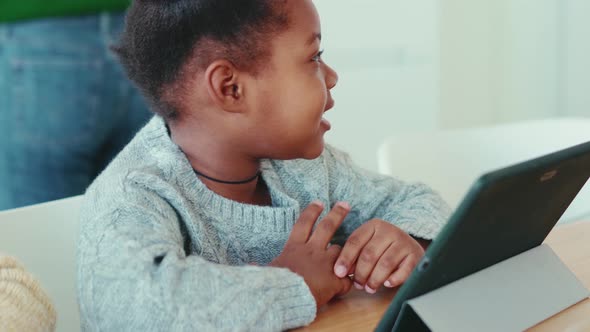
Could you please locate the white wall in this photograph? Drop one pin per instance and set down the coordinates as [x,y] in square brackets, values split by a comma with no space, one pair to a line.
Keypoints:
[386,55]
[470,56]
[421,65]
[531,75]
[510,60]
[576,84]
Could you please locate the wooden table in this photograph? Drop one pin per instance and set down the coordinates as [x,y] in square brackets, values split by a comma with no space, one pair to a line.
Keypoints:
[359,311]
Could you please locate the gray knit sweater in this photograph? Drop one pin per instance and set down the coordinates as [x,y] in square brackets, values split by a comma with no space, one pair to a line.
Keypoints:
[159,251]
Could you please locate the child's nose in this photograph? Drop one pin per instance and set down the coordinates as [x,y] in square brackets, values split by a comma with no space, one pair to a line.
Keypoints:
[331,77]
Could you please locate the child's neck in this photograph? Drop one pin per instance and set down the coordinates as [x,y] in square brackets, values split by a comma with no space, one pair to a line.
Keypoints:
[209,157]
[255,193]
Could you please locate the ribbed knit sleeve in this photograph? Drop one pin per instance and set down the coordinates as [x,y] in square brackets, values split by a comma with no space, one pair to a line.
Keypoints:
[413,207]
[135,275]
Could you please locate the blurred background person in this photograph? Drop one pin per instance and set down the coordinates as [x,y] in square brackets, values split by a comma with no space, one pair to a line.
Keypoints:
[66,107]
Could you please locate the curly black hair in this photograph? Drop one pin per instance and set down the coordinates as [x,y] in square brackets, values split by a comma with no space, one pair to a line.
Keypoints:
[162,36]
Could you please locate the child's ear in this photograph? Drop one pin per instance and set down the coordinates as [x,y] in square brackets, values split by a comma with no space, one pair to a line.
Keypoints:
[224,85]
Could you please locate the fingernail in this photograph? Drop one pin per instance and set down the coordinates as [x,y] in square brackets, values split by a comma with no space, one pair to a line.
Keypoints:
[318,203]
[387,284]
[358,286]
[343,205]
[370,290]
[340,271]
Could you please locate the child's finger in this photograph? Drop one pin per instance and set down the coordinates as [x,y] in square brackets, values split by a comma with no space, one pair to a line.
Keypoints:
[304,225]
[351,270]
[346,284]
[325,230]
[403,272]
[368,259]
[385,267]
[351,251]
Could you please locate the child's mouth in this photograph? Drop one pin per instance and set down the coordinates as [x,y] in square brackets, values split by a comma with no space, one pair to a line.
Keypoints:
[326,123]
[329,105]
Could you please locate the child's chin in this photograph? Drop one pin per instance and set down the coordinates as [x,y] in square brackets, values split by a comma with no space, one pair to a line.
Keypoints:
[315,151]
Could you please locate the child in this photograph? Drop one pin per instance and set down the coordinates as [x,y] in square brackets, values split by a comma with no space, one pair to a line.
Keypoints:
[205,221]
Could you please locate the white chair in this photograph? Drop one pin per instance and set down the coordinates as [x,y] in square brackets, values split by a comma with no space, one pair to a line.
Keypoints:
[43,238]
[450,161]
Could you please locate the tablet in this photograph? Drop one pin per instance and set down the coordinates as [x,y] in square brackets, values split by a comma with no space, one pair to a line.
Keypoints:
[505,213]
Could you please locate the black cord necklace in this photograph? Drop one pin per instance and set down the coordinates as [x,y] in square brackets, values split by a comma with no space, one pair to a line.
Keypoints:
[250,179]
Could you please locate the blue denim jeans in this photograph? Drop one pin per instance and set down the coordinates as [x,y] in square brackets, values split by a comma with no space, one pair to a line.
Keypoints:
[66,108]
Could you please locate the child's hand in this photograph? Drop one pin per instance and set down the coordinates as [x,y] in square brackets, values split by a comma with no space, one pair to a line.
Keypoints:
[307,253]
[378,253]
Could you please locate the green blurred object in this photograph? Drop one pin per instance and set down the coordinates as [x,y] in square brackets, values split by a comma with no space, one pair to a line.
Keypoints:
[18,10]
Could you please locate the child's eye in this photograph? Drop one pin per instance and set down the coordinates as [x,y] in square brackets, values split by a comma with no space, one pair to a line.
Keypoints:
[318,57]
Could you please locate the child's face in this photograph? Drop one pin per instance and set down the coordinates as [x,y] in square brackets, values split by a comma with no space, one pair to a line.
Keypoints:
[294,91]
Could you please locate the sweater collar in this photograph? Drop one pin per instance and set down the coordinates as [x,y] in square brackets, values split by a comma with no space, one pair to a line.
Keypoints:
[178,171]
